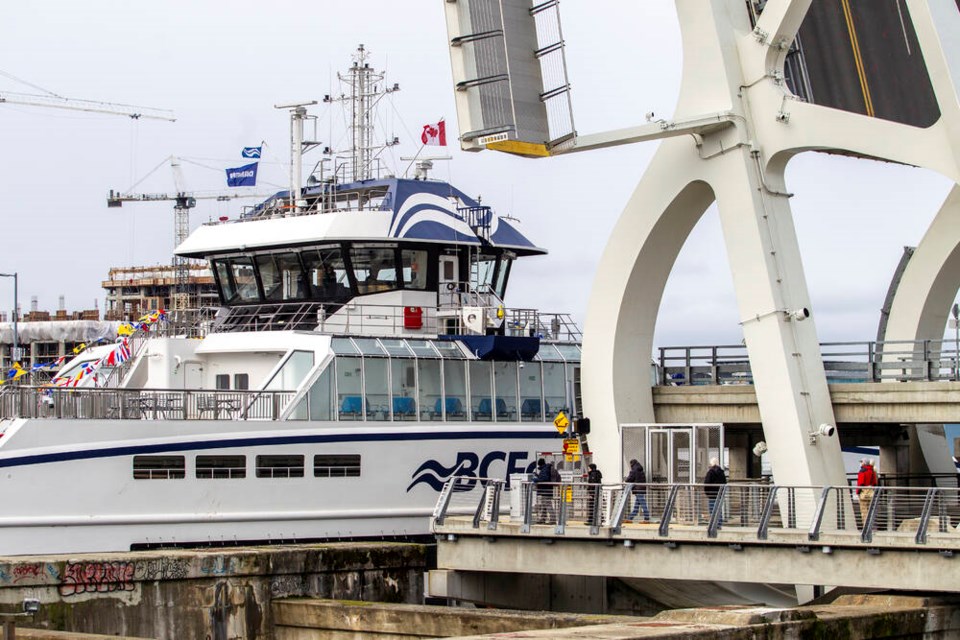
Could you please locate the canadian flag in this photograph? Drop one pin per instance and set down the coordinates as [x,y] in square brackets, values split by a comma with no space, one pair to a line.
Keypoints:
[434,134]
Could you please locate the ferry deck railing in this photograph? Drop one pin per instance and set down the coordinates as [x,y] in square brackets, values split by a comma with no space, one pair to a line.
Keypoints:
[892,516]
[893,360]
[142,404]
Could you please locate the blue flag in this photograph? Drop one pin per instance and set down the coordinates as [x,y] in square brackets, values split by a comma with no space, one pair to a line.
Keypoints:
[251,152]
[245,176]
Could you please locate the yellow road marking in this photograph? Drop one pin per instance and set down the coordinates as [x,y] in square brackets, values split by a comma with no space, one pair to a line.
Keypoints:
[857,57]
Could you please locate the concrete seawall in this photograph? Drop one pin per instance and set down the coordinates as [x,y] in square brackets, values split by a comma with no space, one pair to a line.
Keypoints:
[197,593]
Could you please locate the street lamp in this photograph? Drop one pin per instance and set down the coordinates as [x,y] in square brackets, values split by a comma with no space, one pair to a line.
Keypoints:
[14,357]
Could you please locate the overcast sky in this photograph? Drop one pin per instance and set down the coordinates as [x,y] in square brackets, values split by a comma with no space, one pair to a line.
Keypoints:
[221,66]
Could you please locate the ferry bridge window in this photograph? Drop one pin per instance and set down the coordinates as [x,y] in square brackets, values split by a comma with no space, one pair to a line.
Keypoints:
[531,403]
[326,274]
[218,467]
[289,466]
[481,273]
[238,283]
[431,398]
[505,378]
[159,467]
[503,274]
[281,277]
[455,389]
[414,265]
[374,268]
[481,398]
[336,466]
[350,388]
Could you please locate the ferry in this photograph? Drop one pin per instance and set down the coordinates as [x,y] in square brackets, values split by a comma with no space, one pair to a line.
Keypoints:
[362,354]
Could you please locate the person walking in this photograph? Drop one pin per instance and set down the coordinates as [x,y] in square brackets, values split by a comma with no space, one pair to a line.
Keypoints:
[866,481]
[712,481]
[638,479]
[541,479]
[594,478]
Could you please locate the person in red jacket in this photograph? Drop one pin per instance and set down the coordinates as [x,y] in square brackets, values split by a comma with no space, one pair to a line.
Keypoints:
[866,481]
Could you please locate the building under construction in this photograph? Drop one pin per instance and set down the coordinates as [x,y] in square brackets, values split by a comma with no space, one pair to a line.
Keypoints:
[135,291]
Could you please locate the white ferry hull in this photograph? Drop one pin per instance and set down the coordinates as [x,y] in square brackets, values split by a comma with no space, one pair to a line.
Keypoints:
[69,485]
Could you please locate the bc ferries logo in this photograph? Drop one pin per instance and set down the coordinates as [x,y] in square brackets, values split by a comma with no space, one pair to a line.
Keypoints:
[470,465]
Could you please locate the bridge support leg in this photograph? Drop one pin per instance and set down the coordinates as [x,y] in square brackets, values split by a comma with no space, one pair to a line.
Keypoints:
[684,178]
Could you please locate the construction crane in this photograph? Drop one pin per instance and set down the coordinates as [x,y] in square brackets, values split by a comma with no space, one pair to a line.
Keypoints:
[54,101]
[183,201]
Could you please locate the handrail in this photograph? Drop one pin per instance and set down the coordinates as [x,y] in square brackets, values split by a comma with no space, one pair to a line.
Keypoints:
[741,509]
[892,360]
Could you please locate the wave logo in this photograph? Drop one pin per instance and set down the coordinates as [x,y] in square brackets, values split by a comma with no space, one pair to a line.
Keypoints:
[469,466]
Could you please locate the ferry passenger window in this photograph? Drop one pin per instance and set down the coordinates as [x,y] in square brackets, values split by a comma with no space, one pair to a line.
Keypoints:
[414,264]
[403,385]
[481,398]
[375,375]
[554,388]
[219,467]
[159,467]
[531,404]
[223,381]
[321,396]
[281,277]
[241,381]
[228,291]
[505,377]
[336,466]
[280,466]
[455,389]
[326,274]
[349,388]
[431,400]
[374,269]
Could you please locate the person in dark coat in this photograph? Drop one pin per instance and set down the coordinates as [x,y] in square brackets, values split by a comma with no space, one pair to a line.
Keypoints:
[594,478]
[541,478]
[638,478]
[712,481]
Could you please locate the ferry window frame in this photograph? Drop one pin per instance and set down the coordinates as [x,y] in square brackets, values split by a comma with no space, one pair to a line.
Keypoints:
[277,257]
[350,286]
[350,465]
[220,471]
[279,466]
[163,471]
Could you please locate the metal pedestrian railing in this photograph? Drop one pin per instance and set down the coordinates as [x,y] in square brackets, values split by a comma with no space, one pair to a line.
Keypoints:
[893,360]
[141,404]
[873,516]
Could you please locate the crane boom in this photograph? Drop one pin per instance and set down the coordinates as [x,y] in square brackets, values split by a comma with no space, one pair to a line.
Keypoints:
[91,106]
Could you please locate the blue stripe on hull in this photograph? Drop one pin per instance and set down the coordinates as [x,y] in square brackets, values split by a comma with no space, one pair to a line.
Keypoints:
[261,441]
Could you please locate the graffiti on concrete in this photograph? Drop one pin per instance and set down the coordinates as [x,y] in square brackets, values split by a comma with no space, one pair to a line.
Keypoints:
[96,577]
[27,571]
[218,567]
[289,585]
[162,569]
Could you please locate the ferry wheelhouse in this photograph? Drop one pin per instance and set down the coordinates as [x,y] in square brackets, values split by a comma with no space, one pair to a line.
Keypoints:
[361,356]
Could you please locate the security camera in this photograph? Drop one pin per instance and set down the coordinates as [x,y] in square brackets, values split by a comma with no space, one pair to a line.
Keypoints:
[799,315]
[760,448]
[31,605]
[826,430]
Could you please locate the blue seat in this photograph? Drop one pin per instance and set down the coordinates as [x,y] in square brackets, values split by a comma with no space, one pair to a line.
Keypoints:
[352,406]
[530,409]
[404,407]
[454,407]
[484,406]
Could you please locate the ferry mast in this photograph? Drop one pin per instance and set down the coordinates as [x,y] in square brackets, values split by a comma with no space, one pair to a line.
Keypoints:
[365,88]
